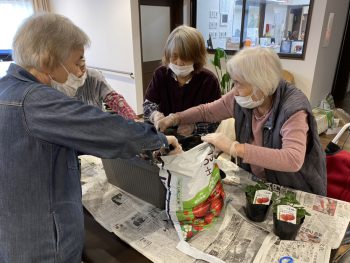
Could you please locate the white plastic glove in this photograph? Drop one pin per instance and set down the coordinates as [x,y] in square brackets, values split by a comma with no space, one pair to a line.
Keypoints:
[155,117]
[174,142]
[185,129]
[169,121]
[221,143]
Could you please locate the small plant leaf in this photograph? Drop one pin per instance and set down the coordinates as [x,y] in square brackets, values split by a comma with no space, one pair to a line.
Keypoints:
[251,189]
[226,77]
[223,84]
[220,57]
[290,199]
[221,53]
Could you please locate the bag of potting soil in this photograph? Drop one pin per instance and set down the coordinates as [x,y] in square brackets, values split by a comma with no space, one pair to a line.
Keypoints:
[195,194]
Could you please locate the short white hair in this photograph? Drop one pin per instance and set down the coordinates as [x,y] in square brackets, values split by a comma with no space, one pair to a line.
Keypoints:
[259,67]
[45,40]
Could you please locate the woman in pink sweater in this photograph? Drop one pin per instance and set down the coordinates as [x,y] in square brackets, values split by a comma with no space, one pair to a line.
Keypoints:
[276,132]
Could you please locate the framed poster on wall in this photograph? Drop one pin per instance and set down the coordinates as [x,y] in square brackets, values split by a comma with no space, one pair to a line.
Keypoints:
[285,46]
[297,47]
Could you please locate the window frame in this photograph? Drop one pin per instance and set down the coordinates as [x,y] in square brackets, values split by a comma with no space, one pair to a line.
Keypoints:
[5,55]
[244,19]
[27,5]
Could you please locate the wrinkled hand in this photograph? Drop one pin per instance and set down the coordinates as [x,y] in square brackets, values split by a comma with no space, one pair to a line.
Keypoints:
[221,143]
[155,117]
[169,121]
[185,129]
[177,147]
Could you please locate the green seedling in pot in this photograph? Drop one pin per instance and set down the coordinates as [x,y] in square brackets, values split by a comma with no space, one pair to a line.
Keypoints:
[258,201]
[290,200]
[250,191]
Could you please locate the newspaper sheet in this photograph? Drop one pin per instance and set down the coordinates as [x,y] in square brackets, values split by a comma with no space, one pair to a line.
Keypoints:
[237,240]
[273,250]
[328,221]
[233,239]
[148,230]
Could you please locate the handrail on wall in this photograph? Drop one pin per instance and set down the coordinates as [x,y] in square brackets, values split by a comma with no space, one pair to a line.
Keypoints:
[130,74]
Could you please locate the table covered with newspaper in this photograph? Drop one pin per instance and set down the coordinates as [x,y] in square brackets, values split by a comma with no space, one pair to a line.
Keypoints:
[234,238]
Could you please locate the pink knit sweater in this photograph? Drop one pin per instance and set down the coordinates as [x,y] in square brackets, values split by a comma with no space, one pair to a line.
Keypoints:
[289,158]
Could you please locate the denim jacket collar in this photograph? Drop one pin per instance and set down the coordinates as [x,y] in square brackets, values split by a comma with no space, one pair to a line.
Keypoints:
[20,73]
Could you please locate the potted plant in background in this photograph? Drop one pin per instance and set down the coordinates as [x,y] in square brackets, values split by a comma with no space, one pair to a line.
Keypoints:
[288,216]
[219,62]
[258,201]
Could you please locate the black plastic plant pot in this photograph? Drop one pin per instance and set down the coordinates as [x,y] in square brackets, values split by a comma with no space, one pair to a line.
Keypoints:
[285,230]
[255,212]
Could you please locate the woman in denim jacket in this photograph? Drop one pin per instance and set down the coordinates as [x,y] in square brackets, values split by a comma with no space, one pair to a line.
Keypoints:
[41,131]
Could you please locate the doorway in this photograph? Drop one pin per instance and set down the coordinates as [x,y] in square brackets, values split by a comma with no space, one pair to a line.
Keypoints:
[341,83]
[295,20]
[157,19]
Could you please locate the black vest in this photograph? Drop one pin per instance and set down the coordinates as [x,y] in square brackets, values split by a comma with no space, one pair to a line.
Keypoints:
[312,177]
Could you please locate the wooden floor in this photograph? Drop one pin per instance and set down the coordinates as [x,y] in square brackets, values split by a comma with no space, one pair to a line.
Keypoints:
[343,143]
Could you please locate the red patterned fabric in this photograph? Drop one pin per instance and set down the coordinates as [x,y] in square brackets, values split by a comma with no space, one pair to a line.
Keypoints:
[119,105]
[338,175]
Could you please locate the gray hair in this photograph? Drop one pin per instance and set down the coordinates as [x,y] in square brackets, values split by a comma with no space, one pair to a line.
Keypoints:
[188,43]
[259,67]
[45,40]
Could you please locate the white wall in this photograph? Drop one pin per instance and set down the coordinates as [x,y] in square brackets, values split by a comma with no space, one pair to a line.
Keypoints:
[304,70]
[136,36]
[327,56]
[110,29]
[4,65]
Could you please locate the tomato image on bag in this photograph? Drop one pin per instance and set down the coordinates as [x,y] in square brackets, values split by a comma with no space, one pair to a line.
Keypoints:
[199,217]
[201,210]
[195,195]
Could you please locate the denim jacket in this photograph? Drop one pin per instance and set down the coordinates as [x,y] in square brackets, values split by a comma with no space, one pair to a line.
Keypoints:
[41,131]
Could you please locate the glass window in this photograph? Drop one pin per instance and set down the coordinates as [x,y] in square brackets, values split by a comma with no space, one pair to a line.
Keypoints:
[233,24]
[12,13]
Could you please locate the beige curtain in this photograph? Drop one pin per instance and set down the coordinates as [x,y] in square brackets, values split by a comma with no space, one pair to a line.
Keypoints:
[41,6]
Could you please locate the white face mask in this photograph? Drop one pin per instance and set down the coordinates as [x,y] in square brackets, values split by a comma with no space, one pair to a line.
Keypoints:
[248,102]
[71,85]
[181,71]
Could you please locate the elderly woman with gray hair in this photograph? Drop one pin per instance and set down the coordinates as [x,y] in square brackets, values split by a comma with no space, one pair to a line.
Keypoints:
[41,132]
[276,132]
